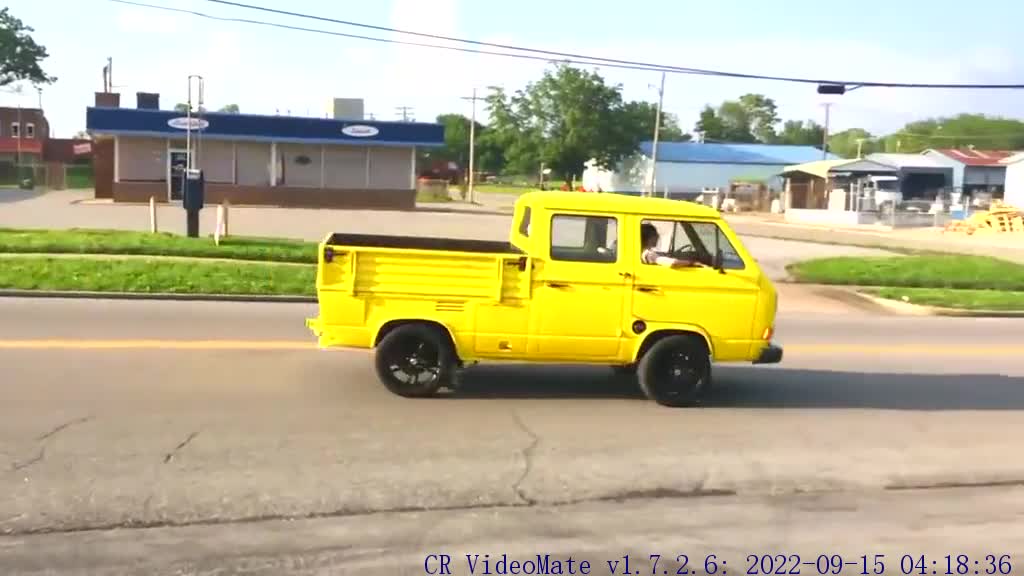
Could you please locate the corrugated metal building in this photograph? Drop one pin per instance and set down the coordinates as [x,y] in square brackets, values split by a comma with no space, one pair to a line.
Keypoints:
[920,177]
[979,170]
[1014,195]
[686,168]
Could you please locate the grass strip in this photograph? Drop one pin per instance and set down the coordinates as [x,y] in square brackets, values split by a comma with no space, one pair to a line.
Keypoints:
[156,276]
[994,300]
[917,271]
[89,241]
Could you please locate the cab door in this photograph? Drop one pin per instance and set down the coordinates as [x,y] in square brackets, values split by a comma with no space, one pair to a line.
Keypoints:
[580,289]
[722,303]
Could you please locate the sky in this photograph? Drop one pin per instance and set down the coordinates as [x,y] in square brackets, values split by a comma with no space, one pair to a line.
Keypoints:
[269,70]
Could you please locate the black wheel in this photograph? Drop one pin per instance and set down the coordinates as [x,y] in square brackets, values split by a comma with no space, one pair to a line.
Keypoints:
[675,371]
[415,361]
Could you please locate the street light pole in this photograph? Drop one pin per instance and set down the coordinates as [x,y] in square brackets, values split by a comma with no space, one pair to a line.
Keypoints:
[470,194]
[657,131]
[824,140]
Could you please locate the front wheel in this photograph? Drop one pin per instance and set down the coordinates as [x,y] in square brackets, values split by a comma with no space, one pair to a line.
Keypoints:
[676,371]
[415,361]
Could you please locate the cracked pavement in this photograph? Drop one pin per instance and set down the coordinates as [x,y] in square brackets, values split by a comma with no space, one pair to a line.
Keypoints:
[184,444]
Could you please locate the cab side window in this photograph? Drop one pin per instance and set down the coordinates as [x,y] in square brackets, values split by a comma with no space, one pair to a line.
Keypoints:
[680,238]
[584,238]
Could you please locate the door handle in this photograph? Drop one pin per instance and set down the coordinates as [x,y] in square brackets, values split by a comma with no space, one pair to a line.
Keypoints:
[557,285]
[647,288]
[625,274]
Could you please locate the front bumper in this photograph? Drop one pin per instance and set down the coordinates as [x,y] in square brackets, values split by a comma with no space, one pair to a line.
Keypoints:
[772,354]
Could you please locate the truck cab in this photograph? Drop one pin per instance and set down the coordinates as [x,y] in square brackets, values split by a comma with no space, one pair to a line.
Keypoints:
[570,286]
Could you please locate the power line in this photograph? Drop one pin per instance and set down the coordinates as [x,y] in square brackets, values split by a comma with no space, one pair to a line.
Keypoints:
[591,59]
[570,59]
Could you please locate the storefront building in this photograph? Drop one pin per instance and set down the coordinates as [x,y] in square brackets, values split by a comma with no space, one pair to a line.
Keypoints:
[248,159]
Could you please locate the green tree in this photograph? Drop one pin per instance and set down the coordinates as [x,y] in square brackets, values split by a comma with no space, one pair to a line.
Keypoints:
[230,109]
[638,119]
[762,115]
[846,143]
[567,118]
[20,56]
[979,130]
[456,138]
[751,118]
[801,133]
[182,108]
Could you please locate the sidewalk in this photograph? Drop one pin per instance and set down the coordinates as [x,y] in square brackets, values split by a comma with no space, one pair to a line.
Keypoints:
[1007,247]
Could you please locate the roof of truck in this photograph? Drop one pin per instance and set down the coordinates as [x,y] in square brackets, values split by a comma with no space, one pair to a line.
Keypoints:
[616,203]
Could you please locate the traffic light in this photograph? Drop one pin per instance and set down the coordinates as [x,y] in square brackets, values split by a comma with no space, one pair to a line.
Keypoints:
[831,89]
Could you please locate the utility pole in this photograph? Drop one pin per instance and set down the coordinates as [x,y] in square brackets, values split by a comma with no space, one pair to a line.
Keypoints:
[657,130]
[860,142]
[404,111]
[824,140]
[470,194]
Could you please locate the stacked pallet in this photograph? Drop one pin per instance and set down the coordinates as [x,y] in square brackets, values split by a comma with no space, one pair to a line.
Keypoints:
[999,219]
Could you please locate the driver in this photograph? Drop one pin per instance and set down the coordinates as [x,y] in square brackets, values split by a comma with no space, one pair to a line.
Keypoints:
[650,255]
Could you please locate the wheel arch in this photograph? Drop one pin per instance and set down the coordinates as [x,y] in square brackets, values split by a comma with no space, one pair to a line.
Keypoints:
[389,326]
[661,333]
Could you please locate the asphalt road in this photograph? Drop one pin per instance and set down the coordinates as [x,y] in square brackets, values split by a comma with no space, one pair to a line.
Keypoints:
[220,428]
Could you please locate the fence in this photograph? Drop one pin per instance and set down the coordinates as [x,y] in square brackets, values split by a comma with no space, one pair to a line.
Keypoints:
[50,176]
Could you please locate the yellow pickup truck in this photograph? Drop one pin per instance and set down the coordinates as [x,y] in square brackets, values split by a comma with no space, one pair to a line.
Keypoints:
[660,288]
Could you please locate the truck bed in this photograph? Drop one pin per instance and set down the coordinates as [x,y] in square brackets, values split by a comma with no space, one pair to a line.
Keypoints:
[369,265]
[421,243]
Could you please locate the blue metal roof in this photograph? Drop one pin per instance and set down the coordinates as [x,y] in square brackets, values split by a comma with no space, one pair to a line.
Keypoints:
[715,153]
[168,123]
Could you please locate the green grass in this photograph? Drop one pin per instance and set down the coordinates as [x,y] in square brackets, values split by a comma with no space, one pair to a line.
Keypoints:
[426,197]
[80,241]
[504,189]
[993,300]
[156,276]
[917,271]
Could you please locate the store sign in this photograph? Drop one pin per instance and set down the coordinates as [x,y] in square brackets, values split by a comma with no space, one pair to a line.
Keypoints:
[82,148]
[360,131]
[188,123]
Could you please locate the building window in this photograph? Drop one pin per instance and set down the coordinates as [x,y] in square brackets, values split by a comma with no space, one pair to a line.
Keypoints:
[15,130]
[584,238]
[30,130]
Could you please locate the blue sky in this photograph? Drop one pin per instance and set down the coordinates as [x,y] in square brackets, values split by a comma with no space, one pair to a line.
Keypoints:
[265,70]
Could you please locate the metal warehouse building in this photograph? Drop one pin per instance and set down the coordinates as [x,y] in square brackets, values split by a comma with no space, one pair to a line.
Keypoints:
[686,168]
[254,159]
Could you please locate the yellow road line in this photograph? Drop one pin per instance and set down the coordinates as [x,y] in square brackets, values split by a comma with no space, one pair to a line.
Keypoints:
[159,344]
[883,350]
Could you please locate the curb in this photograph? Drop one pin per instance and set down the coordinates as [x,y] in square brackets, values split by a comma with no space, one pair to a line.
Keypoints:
[70,294]
[853,295]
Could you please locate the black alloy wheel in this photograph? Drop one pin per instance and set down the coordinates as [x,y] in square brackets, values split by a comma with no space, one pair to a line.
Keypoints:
[414,360]
[676,371]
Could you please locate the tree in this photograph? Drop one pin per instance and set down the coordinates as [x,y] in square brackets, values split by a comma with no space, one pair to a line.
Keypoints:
[20,56]
[762,115]
[638,119]
[847,143]
[567,118]
[801,133]
[230,109]
[182,108]
[991,132]
[751,118]
[456,139]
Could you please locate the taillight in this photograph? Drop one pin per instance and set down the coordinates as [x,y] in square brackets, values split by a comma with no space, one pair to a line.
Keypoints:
[768,332]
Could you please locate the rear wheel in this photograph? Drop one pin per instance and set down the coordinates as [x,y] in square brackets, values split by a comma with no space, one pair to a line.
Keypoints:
[415,361]
[676,371]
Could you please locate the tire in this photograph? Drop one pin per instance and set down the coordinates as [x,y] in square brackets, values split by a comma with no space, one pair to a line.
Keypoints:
[676,371]
[415,348]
